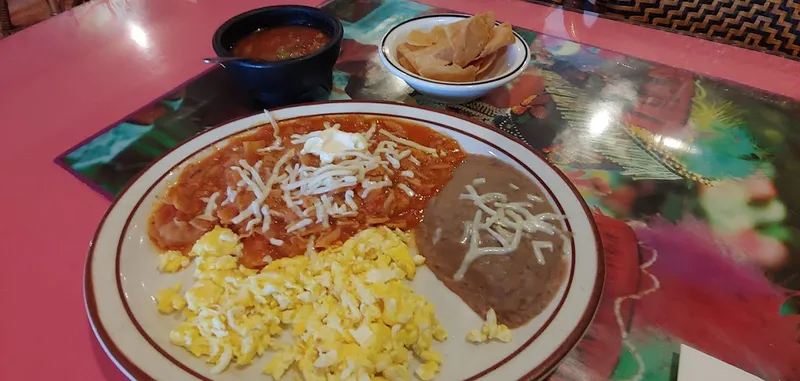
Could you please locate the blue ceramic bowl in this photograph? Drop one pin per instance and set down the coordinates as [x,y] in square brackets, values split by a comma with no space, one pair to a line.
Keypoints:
[289,81]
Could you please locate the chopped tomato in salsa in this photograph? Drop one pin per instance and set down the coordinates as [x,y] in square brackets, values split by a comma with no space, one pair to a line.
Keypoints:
[281,43]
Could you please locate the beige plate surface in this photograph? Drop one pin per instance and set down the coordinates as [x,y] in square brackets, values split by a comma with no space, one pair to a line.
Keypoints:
[122,278]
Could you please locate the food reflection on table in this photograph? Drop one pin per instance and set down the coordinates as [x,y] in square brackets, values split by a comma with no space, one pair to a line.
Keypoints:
[462,51]
[281,43]
[311,225]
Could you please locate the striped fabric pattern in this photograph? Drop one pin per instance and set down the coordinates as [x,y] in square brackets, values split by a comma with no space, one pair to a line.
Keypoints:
[767,25]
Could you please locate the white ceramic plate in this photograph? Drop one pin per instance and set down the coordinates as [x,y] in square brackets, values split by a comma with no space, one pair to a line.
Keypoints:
[121,277]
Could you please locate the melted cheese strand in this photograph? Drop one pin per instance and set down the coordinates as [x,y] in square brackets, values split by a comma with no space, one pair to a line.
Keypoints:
[477,200]
[230,196]
[466,233]
[211,205]
[502,240]
[310,252]
[299,225]
[371,131]
[267,218]
[502,215]
[474,240]
[405,188]
[276,144]
[257,213]
[254,175]
[244,214]
[273,178]
[537,249]
[409,143]
[348,199]
[404,154]
[394,162]
[437,235]
[567,245]
[253,187]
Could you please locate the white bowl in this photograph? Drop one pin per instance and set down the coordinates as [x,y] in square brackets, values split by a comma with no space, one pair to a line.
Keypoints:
[509,66]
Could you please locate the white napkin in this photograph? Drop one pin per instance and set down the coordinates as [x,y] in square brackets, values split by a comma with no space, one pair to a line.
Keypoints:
[694,365]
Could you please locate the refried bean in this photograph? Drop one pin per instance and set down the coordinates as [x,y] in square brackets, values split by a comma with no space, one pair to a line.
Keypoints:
[515,285]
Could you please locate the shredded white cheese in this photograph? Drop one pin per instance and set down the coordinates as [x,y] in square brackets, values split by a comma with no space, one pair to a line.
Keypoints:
[275,242]
[348,199]
[299,225]
[254,175]
[502,219]
[394,162]
[310,251]
[534,198]
[276,144]
[230,196]
[513,186]
[254,207]
[266,218]
[537,249]
[479,181]
[249,183]
[211,205]
[466,232]
[409,143]
[297,182]
[437,235]
[370,186]
[371,131]
[405,188]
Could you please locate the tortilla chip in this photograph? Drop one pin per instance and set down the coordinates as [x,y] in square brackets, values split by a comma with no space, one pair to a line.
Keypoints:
[441,51]
[424,57]
[449,73]
[484,63]
[457,52]
[432,37]
[407,65]
[403,50]
[404,57]
[502,35]
[468,37]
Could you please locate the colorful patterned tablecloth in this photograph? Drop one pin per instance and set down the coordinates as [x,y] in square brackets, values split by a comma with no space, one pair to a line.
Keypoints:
[691,180]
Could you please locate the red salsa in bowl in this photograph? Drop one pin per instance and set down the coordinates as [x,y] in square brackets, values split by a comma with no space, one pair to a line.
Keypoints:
[292,50]
[281,43]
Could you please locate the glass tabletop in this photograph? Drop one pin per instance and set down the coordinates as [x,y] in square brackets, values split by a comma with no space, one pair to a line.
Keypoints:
[683,148]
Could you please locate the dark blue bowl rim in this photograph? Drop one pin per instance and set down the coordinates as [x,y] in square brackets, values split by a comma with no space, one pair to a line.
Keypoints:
[221,51]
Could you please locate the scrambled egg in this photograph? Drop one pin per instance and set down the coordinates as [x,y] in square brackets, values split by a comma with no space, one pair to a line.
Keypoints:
[172,261]
[349,310]
[490,330]
[170,299]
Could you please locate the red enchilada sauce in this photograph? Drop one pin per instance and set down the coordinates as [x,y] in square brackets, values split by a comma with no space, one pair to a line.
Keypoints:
[174,224]
[281,43]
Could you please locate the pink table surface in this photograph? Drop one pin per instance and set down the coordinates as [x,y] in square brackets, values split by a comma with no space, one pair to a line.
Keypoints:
[70,76]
